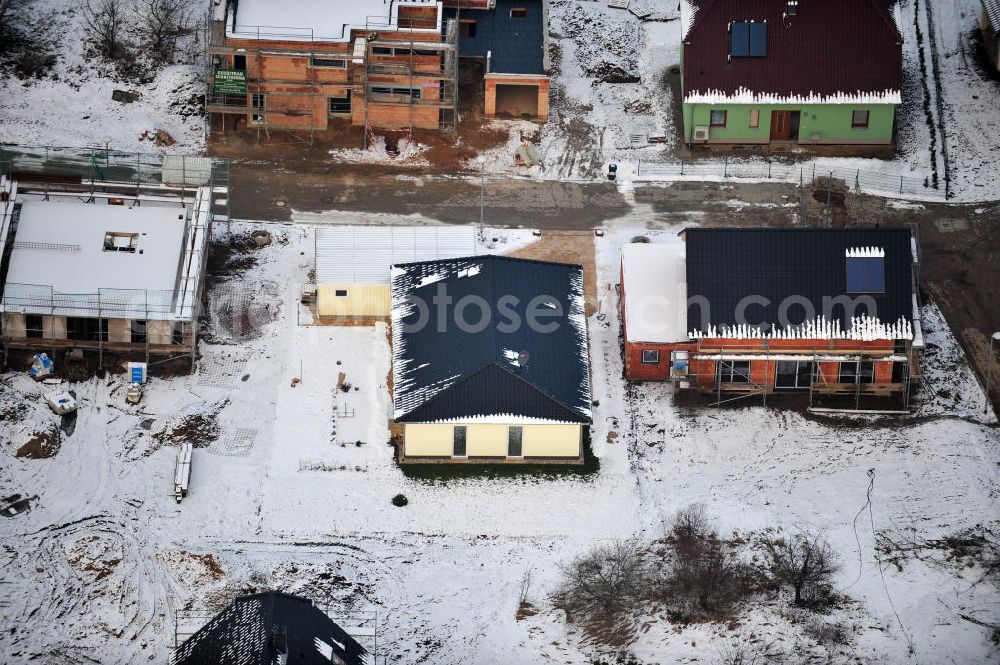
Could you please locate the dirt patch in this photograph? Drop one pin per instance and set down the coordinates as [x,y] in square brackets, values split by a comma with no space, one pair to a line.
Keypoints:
[201,429]
[568,247]
[42,445]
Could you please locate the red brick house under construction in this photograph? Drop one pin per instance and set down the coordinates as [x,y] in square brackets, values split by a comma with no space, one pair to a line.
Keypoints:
[729,312]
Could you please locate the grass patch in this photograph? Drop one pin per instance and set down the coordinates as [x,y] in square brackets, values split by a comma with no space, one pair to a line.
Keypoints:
[442,473]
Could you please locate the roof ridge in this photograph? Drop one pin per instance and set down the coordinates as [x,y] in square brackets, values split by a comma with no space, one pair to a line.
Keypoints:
[537,388]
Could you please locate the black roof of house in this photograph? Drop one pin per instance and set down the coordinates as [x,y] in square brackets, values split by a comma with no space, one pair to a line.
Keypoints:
[445,373]
[256,629]
[516,44]
[724,266]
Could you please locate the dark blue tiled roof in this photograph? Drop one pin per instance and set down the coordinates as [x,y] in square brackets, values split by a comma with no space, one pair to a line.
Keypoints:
[724,266]
[516,44]
[441,372]
[256,629]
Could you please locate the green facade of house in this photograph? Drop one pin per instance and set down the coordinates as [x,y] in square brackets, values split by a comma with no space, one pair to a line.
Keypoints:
[819,124]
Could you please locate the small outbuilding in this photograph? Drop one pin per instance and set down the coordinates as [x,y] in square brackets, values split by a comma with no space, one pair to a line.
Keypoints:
[353,264]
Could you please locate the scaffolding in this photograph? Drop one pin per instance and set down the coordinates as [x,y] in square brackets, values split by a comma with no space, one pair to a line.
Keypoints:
[745,386]
[384,65]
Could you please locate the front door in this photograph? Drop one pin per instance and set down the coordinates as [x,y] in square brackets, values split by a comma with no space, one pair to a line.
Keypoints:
[781,125]
[458,441]
[514,439]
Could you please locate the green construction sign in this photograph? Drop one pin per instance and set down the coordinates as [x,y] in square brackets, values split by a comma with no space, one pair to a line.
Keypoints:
[230,82]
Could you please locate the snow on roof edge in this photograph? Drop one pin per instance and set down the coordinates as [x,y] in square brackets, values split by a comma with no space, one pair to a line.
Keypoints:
[747,96]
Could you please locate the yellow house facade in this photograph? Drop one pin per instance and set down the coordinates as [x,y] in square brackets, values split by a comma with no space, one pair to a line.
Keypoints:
[534,442]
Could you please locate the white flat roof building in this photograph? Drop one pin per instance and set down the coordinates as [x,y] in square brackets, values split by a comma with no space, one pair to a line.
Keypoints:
[654,280]
[132,261]
[365,254]
[318,20]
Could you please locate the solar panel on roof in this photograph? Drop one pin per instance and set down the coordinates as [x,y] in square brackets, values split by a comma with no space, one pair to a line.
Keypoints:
[758,39]
[866,275]
[740,39]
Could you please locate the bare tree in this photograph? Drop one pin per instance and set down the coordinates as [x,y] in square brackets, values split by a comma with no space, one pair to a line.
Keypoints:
[803,562]
[704,573]
[161,23]
[105,22]
[602,583]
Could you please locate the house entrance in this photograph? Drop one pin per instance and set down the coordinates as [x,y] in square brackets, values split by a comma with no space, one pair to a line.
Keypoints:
[785,125]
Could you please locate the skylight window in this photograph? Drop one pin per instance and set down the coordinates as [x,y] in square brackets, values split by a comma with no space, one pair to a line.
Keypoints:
[866,270]
[748,39]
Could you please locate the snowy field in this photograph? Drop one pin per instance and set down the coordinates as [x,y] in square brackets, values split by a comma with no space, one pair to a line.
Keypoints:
[291,489]
[72,104]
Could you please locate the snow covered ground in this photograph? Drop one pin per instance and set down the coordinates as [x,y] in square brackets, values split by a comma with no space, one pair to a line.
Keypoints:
[291,488]
[72,105]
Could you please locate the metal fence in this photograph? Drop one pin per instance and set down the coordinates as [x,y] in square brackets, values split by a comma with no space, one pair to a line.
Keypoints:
[871,182]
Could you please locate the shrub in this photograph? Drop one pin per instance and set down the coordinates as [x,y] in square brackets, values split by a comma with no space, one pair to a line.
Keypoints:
[400,500]
[703,574]
[602,584]
[805,562]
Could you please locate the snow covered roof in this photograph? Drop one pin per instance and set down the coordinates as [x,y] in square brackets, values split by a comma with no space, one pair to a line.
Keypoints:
[248,632]
[654,281]
[529,361]
[365,254]
[93,259]
[793,284]
[317,20]
[844,52]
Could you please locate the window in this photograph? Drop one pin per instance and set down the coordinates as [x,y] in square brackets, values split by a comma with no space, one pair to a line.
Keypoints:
[466,28]
[33,326]
[341,104]
[116,241]
[859,119]
[257,119]
[857,372]
[718,118]
[240,62]
[382,50]
[748,39]
[865,270]
[515,436]
[177,333]
[335,63]
[793,374]
[518,12]
[85,329]
[413,93]
[754,119]
[650,357]
[458,441]
[257,100]
[340,293]
[139,331]
[734,371]
[793,8]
